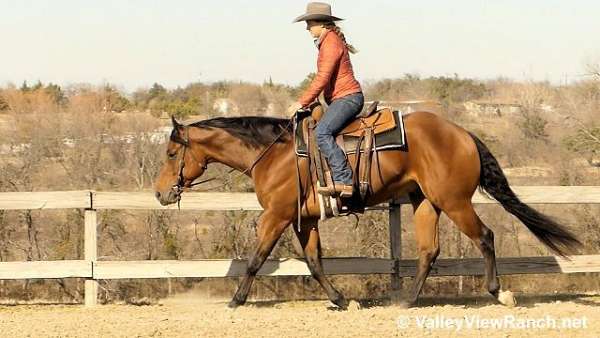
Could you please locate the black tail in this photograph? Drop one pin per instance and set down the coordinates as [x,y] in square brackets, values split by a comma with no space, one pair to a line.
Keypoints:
[492,180]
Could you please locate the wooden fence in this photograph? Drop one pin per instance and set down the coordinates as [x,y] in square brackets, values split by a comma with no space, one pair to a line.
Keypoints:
[93,270]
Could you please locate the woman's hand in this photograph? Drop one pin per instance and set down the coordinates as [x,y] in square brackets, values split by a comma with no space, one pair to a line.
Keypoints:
[291,111]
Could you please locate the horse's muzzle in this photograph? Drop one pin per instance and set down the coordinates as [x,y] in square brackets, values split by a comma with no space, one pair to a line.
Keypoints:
[167,198]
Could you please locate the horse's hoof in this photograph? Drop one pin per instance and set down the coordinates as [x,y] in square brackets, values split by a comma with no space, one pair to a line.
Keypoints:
[234,304]
[341,303]
[507,298]
[395,297]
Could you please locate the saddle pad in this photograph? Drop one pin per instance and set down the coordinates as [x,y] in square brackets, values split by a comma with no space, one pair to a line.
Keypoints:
[390,139]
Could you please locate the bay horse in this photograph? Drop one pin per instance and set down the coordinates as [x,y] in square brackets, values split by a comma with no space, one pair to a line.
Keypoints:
[440,170]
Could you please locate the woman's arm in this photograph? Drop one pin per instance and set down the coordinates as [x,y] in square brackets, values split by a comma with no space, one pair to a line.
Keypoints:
[330,53]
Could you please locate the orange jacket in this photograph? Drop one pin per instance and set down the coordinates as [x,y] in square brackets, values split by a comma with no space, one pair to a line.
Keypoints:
[334,75]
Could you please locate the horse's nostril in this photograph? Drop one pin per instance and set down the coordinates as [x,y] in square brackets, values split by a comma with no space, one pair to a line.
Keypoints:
[157,194]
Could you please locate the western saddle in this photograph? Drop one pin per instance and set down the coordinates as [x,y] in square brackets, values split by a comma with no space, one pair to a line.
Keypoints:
[374,129]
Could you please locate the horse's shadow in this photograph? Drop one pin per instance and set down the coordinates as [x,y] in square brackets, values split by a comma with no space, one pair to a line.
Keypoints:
[526,301]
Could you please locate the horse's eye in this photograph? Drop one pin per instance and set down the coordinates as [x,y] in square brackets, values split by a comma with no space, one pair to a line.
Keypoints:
[172,156]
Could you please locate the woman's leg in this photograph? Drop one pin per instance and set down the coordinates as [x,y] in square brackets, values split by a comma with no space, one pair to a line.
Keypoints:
[340,112]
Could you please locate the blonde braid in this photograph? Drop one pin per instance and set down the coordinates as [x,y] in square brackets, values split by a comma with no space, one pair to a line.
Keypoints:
[337,30]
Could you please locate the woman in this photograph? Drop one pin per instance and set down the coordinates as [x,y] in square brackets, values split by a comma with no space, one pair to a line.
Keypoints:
[335,78]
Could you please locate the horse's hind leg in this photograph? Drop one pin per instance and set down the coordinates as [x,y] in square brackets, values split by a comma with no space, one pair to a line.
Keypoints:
[311,244]
[464,216]
[426,232]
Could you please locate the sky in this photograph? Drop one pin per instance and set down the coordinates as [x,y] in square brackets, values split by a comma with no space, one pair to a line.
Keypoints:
[135,43]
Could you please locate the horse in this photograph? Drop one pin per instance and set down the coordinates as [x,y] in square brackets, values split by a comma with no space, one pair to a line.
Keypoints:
[440,169]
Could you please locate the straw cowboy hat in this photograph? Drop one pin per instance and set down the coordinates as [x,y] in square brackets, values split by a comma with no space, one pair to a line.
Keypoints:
[317,11]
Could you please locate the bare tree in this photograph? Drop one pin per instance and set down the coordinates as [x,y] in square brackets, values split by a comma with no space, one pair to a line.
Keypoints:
[592,68]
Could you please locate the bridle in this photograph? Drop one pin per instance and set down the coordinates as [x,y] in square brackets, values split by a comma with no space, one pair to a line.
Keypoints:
[180,186]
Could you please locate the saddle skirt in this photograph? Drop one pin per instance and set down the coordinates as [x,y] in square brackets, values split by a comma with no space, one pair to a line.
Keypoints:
[386,124]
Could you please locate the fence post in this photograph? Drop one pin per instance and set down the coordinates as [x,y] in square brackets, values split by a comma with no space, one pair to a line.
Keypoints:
[90,254]
[395,209]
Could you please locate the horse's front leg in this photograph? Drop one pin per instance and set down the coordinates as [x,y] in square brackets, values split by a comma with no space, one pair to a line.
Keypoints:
[270,228]
[311,243]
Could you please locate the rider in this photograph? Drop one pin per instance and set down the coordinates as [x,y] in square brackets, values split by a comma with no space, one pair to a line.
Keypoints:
[341,90]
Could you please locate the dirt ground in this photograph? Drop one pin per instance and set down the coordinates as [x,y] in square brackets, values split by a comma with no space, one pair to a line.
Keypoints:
[186,316]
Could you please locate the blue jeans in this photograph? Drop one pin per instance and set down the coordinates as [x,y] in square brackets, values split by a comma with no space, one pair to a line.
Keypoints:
[341,111]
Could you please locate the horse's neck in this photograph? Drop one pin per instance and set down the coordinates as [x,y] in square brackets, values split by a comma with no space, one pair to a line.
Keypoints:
[233,153]
[229,150]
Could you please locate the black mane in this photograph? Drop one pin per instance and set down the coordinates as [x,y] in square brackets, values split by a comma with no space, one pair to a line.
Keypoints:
[254,130]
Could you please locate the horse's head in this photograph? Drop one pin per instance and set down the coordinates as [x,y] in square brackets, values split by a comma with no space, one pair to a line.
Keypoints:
[185,162]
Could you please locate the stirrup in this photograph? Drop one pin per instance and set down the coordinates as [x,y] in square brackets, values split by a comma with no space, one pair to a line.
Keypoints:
[338,189]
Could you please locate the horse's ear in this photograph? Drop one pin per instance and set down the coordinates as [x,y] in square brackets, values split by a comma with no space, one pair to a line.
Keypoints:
[176,124]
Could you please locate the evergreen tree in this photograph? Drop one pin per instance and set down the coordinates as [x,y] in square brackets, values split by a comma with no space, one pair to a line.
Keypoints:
[24,87]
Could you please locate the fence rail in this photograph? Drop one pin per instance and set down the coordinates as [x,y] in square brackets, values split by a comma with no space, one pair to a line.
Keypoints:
[93,270]
[289,267]
[90,199]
